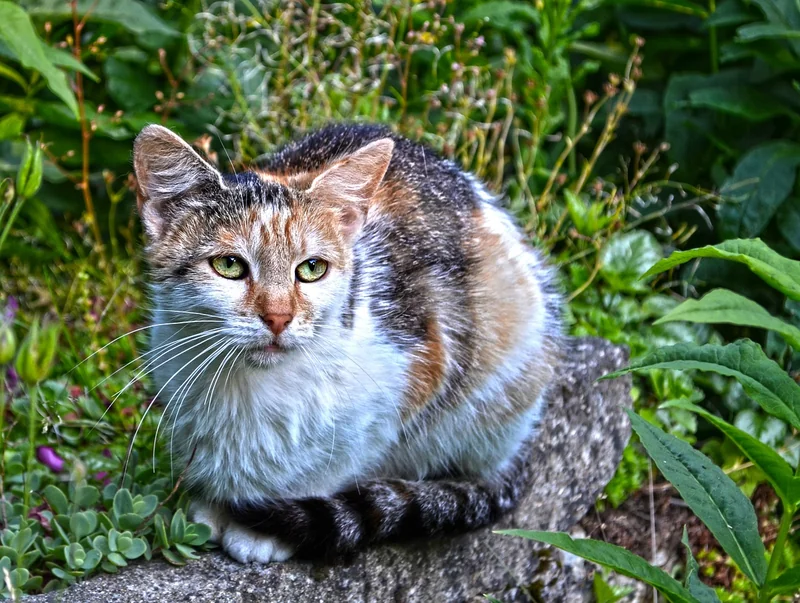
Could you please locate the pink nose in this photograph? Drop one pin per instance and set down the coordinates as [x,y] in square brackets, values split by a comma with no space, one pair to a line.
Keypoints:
[277,323]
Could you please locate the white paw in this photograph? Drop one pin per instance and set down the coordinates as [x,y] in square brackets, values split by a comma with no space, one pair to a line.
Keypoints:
[245,546]
[211,515]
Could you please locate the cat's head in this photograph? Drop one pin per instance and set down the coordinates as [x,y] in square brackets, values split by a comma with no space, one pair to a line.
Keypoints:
[266,262]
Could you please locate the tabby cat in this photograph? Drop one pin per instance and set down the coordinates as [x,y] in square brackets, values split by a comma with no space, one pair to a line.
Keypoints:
[355,341]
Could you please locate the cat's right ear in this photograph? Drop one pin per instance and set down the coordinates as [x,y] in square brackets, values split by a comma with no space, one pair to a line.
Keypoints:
[167,170]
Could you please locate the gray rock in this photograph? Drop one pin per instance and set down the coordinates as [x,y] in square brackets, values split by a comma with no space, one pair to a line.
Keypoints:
[583,433]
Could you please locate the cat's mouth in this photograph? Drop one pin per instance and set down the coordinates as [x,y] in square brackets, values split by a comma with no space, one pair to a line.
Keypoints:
[267,355]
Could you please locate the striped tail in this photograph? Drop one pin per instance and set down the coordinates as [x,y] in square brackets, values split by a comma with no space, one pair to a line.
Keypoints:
[389,510]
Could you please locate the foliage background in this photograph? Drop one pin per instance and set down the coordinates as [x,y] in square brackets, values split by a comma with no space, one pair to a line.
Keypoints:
[618,130]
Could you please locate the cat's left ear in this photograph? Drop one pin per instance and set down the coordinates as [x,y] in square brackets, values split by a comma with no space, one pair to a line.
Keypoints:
[168,170]
[350,183]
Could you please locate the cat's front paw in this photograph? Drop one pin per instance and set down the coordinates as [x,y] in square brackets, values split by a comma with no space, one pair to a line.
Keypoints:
[210,515]
[245,546]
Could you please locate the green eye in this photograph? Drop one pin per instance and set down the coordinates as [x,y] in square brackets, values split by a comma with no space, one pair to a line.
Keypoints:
[311,270]
[229,266]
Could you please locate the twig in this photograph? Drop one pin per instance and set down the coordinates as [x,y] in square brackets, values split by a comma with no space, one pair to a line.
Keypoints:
[86,133]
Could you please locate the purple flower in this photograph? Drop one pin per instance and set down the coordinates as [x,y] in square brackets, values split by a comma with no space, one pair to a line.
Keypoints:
[47,456]
[12,379]
[106,453]
[101,475]
[12,305]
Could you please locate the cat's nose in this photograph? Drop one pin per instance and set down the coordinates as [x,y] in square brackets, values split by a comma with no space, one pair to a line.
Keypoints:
[277,323]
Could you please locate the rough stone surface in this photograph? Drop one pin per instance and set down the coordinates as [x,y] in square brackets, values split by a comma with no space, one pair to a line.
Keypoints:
[584,431]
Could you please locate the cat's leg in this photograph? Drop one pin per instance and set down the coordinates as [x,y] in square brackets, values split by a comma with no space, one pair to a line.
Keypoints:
[211,515]
[239,542]
[245,545]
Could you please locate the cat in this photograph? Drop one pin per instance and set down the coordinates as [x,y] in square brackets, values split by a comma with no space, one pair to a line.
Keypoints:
[356,341]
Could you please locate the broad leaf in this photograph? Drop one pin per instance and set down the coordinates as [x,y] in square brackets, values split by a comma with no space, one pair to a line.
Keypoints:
[762,379]
[17,32]
[61,58]
[702,592]
[787,583]
[133,15]
[777,471]
[787,220]
[762,180]
[614,557]
[712,495]
[781,273]
[742,101]
[723,306]
[626,256]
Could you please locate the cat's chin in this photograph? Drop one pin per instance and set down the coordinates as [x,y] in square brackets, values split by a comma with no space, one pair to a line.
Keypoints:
[267,356]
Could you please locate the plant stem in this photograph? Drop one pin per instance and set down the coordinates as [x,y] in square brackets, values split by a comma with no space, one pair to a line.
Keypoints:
[14,211]
[32,404]
[712,38]
[777,550]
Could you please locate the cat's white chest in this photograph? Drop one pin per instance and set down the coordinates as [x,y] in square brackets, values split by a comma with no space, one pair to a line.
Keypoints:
[298,429]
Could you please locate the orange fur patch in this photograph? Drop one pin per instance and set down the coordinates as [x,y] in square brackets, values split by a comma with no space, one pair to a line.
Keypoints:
[426,373]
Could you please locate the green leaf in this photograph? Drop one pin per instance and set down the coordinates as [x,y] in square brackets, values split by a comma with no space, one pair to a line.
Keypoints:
[777,471]
[702,592]
[728,12]
[723,306]
[186,551]
[124,543]
[759,31]
[100,543]
[136,549]
[11,125]
[765,428]
[129,521]
[781,273]
[712,495]
[612,556]
[82,524]
[17,32]
[56,499]
[62,58]
[75,555]
[172,557]
[787,583]
[113,536]
[177,528]
[144,506]
[131,15]
[787,220]
[197,534]
[743,101]
[8,552]
[123,502]
[117,559]
[92,560]
[625,258]
[762,379]
[86,496]
[762,180]
[161,531]
[129,85]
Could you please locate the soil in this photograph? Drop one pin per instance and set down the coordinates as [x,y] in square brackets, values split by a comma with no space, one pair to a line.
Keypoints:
[629,526]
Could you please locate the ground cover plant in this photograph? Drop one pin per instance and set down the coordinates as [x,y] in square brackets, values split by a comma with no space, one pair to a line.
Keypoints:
[713,496]
[563,107]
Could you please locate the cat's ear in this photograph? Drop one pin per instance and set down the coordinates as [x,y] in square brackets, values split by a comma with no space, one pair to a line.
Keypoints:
[350,183]
[167,170]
